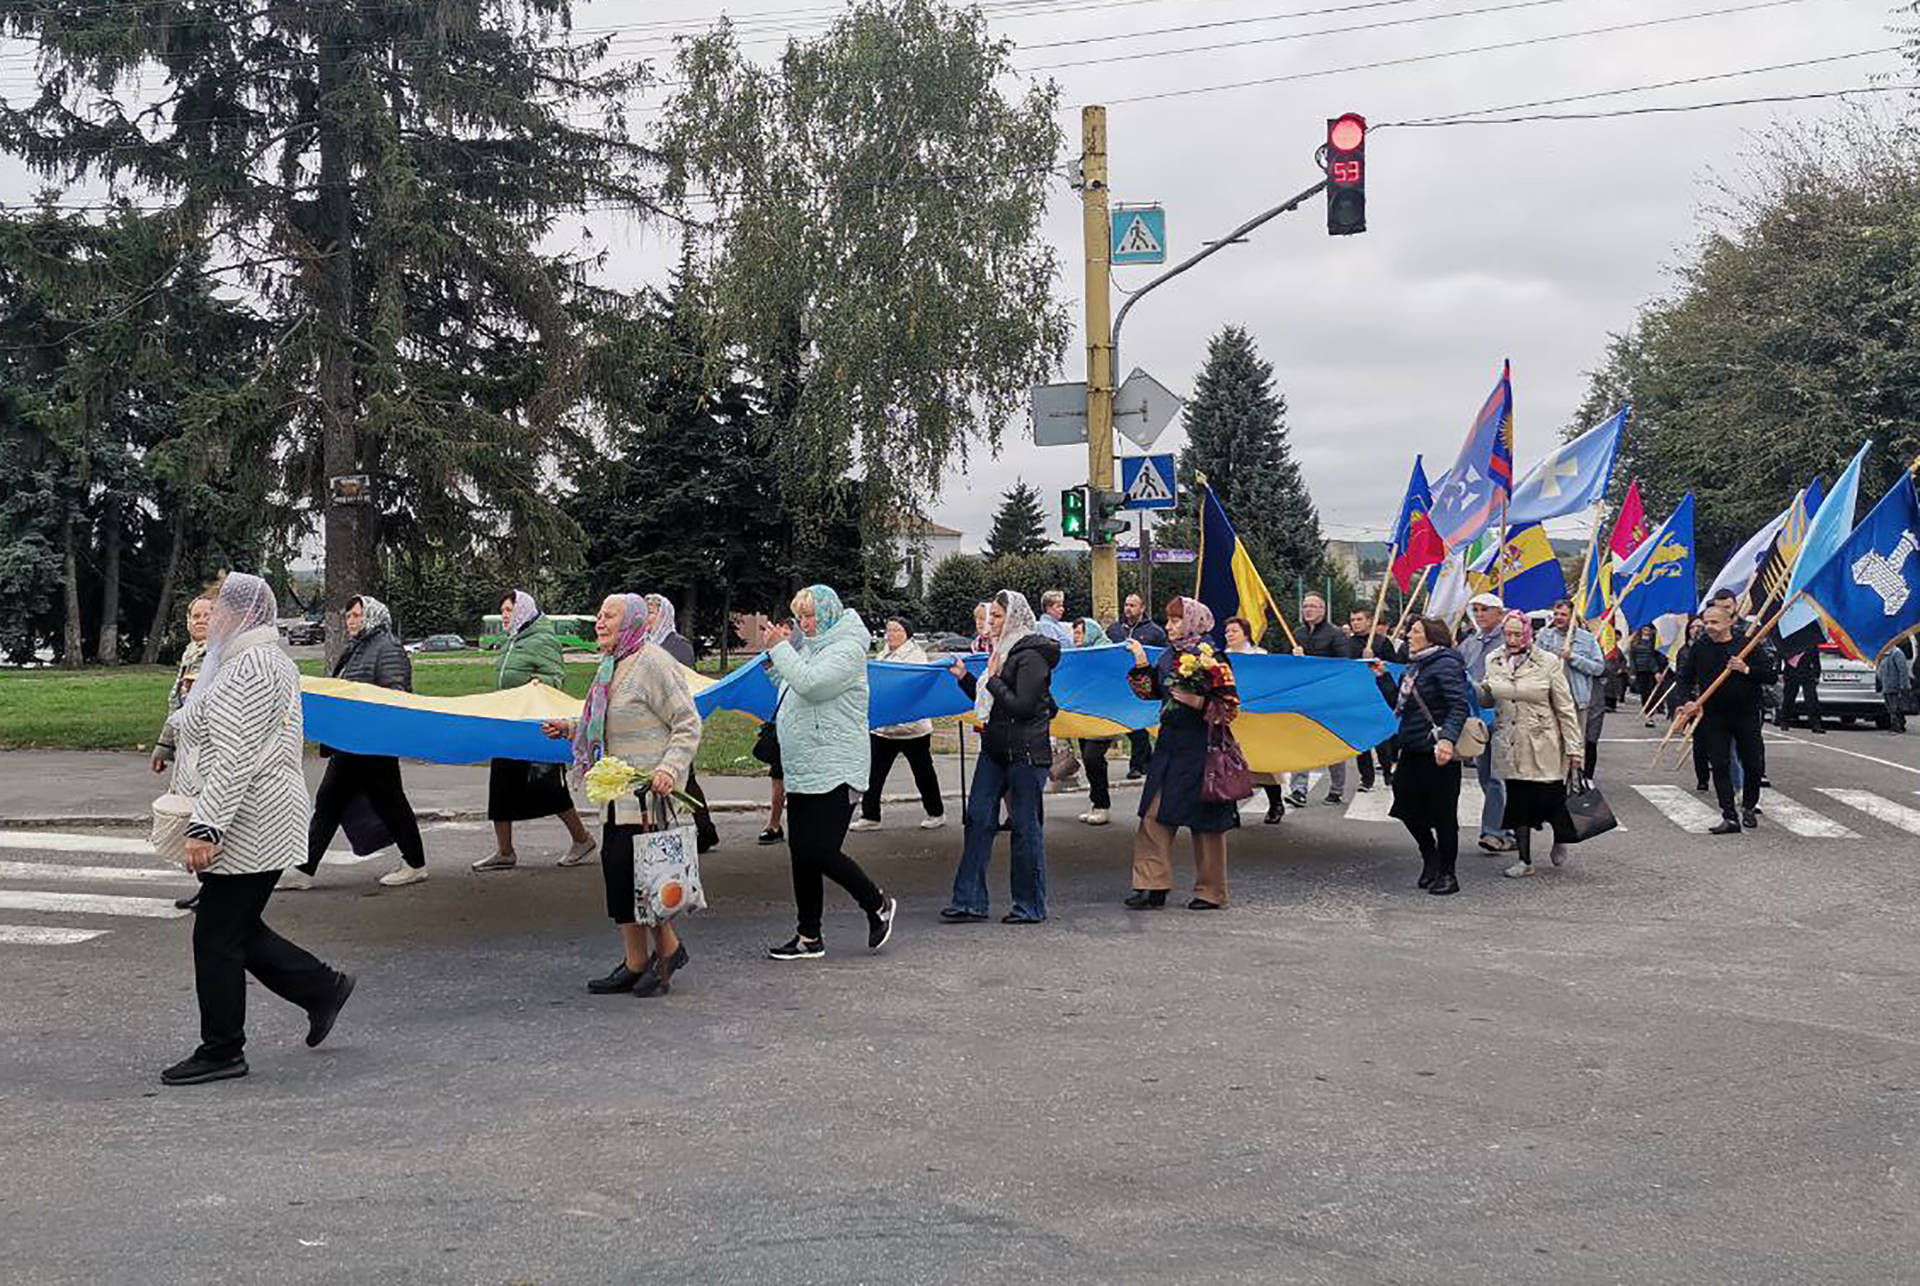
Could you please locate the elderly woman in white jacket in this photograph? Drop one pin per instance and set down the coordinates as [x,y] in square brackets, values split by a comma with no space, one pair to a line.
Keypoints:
[239,740]
[910,741]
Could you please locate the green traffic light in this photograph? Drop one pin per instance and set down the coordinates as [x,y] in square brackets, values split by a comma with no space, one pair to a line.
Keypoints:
[1073,513]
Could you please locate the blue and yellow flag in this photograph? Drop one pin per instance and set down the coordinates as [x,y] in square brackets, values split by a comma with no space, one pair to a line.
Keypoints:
[1227,581]
[1659,578]
[1533,579]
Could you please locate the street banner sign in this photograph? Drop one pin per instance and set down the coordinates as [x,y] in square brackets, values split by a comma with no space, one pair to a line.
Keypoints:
[1060,414]
[1148,482]
[1143,407]
[1175,556]
[1139,235]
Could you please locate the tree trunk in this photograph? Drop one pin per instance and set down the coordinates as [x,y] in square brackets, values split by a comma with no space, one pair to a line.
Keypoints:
[163,610]
[348,528]
[726,622]
[73,651]
[107,647]
[690,614]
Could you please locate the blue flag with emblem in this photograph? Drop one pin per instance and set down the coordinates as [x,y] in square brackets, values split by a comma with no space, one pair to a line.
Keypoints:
[1659,578]
[1469,496]
[1868,594]
[1826,532]
[1571,478]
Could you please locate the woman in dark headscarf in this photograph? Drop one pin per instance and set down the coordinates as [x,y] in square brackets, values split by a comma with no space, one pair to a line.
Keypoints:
[373,655]
[518,791]
[1170,797]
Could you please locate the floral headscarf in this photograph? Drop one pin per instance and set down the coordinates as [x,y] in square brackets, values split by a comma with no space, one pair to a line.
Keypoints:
[1019,623]
[590,740]
[525,612]
[827,611]
[660,622]
[244,604]
[374,615]
[1526,637]
[1199,619]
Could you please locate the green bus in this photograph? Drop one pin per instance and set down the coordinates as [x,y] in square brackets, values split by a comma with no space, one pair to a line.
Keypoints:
[575,631]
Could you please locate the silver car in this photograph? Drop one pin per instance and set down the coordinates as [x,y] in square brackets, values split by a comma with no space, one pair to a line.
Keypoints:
[1847,690]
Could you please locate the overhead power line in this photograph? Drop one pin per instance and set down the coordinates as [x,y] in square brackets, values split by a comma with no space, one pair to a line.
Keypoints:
[1658,111]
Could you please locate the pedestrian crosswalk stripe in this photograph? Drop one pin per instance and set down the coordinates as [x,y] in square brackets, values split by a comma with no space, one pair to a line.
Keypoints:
[66,842]
[1681,808]
[88,904]
[44,935]
[1800,819]
[61,871]
[1881,810]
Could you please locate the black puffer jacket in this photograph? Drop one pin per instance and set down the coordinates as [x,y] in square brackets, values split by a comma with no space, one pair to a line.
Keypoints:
[375,656]
[1018,728]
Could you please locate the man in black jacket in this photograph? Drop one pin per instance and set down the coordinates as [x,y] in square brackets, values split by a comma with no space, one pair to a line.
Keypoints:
[1136,624]
[1801,674]
[1319,636]
[1729,720]
[1366,642]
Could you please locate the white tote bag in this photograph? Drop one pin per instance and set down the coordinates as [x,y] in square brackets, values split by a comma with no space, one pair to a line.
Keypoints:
[666,867]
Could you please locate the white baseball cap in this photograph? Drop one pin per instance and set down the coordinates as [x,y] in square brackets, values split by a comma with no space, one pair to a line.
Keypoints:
[1485,600]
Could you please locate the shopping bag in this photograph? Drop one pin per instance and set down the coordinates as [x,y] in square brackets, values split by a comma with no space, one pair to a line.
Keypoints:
[666,867]
[1587,813]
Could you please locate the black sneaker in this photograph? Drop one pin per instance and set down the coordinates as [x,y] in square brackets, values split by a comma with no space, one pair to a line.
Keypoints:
[772,835]
[320,1019]
[1135,774]
[1298,799]
[1333,797]
[1750,818]
[880,924]
[1274,816]
[798,948]
[199,1069]
[1363,788]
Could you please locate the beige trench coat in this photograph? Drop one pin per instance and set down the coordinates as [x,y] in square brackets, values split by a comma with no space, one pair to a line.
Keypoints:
[1535,724]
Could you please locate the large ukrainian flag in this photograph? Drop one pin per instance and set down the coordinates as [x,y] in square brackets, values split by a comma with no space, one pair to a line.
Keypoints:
[1228,582]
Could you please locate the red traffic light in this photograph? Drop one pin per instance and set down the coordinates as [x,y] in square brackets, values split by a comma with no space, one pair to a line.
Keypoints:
[1347,133]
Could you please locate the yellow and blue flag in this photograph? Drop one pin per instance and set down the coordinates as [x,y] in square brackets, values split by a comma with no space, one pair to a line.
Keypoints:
[1226,579]
[1574,476]
[1533,579]
[1659,578]
[1868,594]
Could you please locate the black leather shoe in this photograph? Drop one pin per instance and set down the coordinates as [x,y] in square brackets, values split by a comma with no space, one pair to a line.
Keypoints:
[1011,918]
[1728,826]
[320,1020]
[621,979]
[771,835]
[191,902]
[1274,815]
[1443,884]
[651,981]
[954,915]
[1201,904]
[1145,899]
[199,1069]
[1426,873]
[1750,817]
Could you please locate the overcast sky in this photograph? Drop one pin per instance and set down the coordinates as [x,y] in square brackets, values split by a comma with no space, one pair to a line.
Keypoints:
[1530,241]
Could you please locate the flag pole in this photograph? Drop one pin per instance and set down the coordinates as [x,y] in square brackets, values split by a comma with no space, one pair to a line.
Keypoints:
[1500,559]
[1386,579]
[1406,609]
[1699,702]
[1586,570]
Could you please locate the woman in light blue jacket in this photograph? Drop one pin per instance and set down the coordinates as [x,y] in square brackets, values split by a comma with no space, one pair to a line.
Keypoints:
[819,665]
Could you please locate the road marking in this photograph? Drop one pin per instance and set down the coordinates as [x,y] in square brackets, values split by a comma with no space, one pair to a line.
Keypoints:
[1881,810]
[1800,819]
[1681,808]
[60,871]
[63,842]
[88,904]
[1373,806]
[1841,750]
[40,935]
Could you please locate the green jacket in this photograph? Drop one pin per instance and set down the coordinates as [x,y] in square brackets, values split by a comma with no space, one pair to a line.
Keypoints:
[533,653]
[823,709]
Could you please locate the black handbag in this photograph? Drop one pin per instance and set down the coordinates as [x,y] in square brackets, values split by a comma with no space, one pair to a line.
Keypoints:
[766,742]
[1586,814]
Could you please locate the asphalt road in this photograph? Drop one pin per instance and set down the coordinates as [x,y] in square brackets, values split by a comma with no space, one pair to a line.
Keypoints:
[1677,1059]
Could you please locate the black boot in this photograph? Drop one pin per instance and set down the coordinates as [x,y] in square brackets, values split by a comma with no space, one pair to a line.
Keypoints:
[1444,883]
[1143,899]
[1427,864]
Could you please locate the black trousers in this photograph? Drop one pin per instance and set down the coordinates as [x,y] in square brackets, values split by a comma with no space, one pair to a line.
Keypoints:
[705,834]
[1139,750]
[1439,845]
[1721,737]
[377,777]
[229,942]
[1093,757]
[1793,687]
[1382,755]
[1276,799]
[816,830]
[918,752]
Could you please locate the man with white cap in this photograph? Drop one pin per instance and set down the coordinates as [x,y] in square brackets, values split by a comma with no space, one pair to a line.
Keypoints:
[1476,645]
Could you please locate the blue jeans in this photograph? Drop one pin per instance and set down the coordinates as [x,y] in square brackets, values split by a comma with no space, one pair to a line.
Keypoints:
[1023,785]
[1494,811]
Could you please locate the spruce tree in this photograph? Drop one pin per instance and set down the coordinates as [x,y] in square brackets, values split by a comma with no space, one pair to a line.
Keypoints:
[1019,525]
[1237,437]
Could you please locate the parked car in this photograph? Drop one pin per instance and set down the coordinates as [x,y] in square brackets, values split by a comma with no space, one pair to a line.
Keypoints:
[439,643]
[949,643]
[1847,689]
[299,632]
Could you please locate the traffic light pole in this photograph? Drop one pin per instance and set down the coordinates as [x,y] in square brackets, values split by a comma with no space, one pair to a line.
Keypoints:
[1099,295]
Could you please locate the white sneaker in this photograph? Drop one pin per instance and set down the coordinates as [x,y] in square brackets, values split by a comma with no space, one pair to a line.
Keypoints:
[1094,817]
[582,852]
[862,824]
[1558,854]
[931,823]
[497,862]
[294,878]
[1519,870]
[403,874]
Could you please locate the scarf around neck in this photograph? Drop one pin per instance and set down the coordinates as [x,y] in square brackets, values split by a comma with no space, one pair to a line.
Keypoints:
[590,741]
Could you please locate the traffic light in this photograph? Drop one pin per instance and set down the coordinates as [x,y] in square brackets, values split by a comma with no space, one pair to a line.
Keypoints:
[1347,175]
[1107,519]
[1073,513]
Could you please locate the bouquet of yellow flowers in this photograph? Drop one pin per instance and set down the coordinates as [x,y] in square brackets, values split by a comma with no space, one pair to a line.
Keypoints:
[613,777]
[1205,673]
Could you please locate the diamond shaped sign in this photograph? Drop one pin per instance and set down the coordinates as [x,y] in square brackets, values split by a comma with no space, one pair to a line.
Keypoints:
[1144,407]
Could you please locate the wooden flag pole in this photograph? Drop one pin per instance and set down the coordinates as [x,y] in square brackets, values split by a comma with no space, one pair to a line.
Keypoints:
[1292,642]
[1379,603]
[1700,701]
[1406,610]
[1586,570]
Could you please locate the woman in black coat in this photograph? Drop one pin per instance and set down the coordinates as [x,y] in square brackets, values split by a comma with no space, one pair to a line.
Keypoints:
[373,655]
[1170,797]
[1014,704]
[1433,706]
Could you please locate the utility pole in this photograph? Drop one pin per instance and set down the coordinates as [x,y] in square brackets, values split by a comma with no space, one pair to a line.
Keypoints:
[1099,296]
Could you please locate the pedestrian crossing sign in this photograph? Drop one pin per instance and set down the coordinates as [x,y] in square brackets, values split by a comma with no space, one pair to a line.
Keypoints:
[1139,235]
[1147,481]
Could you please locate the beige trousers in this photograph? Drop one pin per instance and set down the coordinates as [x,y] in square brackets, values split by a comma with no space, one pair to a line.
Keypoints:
[1153,859]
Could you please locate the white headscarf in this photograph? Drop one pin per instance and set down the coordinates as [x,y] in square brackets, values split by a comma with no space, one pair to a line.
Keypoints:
[525,612]
[244,604]
[660,618]
[373,615]
[1019,623]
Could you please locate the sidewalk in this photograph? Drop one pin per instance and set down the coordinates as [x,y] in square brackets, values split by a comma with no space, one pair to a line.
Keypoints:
[53,788]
